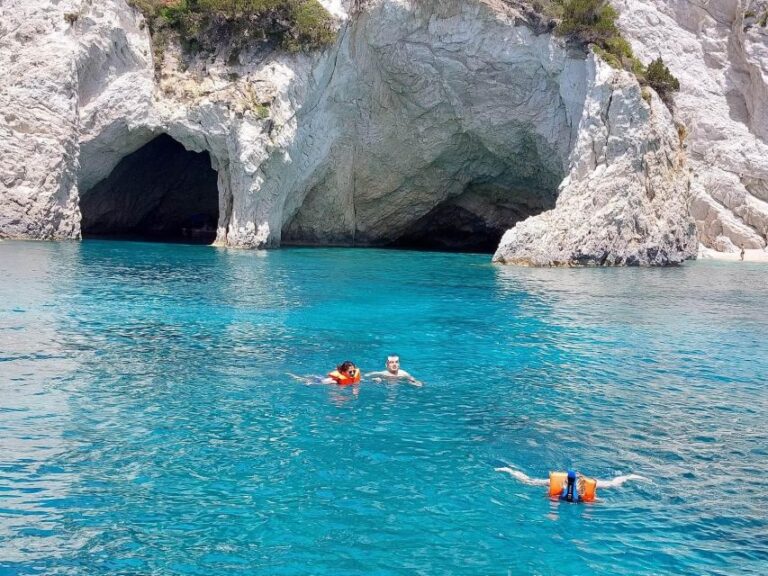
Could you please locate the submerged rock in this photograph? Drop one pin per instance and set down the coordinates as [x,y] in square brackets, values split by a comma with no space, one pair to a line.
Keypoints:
[438,123]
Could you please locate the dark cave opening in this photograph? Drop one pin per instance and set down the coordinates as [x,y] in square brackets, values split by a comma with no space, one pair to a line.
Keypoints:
[452,228]
[161,192]
[476,220]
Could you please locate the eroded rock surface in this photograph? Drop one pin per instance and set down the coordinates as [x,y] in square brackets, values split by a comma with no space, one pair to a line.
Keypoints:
[625,199]
[38,123]
[437,121]
[432,111]
[719,51]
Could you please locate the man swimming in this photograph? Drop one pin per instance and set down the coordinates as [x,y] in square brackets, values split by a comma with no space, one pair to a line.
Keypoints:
[571,485]
[393,372]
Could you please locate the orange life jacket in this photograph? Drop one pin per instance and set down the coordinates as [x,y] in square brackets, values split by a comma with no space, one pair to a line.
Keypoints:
[559,480]
[345,379]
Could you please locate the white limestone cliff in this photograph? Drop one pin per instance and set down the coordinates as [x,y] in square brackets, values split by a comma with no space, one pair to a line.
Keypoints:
[719,51]
[38,123]
[625,199]
[422,115]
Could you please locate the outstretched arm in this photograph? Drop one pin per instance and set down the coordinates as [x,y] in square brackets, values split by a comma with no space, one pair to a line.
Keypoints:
[376,376]
[402,375]
[525,479]
[619,480]
[310,379]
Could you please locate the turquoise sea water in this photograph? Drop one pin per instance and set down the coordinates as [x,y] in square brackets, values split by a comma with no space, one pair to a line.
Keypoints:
[147,425]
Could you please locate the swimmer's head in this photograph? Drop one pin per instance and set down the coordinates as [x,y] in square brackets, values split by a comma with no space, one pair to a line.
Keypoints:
[571,475]
[393,363]
[347,368]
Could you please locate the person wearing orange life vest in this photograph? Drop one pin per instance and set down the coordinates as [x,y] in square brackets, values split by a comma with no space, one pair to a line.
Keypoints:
[345,374]
[571,486]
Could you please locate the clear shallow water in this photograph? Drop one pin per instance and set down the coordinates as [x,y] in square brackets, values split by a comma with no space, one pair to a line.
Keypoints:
[147,425]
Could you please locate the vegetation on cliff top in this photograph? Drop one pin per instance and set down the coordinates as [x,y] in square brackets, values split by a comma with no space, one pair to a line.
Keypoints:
[759,16]
[594,22]
[203,25]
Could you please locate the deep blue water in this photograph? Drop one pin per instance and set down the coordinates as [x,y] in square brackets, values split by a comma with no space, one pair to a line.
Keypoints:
[147,425]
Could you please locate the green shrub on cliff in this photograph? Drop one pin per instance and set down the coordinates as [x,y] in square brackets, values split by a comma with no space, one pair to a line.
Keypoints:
[590,21]
[206,24]
[658,77]
[314,25]
[593,22]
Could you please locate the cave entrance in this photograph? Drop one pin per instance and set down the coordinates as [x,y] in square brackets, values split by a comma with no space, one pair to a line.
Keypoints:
[461,226]
[461,198]
[476,220]
[161,192]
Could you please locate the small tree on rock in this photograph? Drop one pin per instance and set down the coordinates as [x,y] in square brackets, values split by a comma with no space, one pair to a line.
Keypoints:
[590,21]
[658,77]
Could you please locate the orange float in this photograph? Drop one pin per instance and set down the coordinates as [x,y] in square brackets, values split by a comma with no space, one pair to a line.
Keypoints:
[345,379]
[586,488]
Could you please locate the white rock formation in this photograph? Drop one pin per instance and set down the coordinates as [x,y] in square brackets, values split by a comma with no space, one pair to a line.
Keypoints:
[425,115]
[625,199]
[431,112]
[38,123]
[719,51]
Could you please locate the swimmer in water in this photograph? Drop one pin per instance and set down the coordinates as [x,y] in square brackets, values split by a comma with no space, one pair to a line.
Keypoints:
[575,484]
[345,374]
[393,372]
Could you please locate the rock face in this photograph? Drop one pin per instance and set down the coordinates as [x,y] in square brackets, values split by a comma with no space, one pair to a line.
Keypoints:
[719,51]
[38,123]
[429,123]
[624,201]
[427,126]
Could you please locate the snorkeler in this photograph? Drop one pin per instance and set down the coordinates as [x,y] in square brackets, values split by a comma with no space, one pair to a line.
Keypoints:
[345,374]
[571,486]
[393,372]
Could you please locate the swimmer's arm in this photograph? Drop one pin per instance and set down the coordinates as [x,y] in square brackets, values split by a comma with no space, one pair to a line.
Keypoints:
[525,479]
[310,379]
[411,380]
[619,480]
[378,376]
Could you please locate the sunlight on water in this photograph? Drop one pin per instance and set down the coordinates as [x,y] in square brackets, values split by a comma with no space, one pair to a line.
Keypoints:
[147,423]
